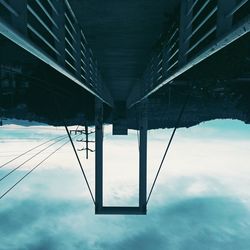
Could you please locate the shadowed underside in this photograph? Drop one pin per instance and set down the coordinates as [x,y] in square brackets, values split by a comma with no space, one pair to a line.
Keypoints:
[152,63]
[123,35]
[126,38]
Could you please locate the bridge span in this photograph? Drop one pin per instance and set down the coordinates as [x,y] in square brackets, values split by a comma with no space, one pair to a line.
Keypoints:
[129,63]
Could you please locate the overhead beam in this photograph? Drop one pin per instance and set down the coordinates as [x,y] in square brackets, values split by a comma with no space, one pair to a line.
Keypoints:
[7,31]
[220,43]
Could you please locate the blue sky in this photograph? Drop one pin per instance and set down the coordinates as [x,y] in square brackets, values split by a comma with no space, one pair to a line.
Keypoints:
[201,200]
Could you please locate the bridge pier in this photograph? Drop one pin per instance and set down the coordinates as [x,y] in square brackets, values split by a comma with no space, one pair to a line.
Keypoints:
[99,208]
[98,155]
[143,158]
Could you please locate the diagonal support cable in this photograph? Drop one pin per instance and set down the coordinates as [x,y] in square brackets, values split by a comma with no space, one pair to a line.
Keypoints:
[26,152]
[16,168]
[168,146]
[74,149]
[80,164]
[6,192]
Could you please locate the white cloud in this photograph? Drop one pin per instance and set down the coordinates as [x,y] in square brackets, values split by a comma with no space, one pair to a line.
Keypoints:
[193,154]
[201,198]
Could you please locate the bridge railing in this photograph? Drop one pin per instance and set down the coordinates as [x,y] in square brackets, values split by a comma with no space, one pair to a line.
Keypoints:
[52,27]
[201,29]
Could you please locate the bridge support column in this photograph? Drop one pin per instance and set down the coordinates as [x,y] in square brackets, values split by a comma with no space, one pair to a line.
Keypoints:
[143,158]
[19,21]
[185,30]
[141,207]
[60,32]
[98,155]
[224,19]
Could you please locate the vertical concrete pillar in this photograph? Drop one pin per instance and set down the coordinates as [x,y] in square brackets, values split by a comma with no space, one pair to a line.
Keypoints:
[60,31]
[185,30]
[98,155]
[78,50]
[224,21]
[143,158]
[20,21]
[165,64]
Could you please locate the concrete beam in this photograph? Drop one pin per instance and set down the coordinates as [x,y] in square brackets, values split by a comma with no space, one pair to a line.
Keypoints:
[220,43]
[9,32]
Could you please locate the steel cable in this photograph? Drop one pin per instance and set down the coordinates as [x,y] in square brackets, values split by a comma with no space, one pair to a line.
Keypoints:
[168,146]
[16,168]
[74,149]
[6,192]
[80,164]
[29,151]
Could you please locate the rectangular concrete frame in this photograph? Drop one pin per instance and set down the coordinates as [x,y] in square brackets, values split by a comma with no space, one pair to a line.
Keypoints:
[99,208]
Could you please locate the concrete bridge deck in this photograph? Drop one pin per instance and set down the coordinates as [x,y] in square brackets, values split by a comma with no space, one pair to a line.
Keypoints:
[123,52]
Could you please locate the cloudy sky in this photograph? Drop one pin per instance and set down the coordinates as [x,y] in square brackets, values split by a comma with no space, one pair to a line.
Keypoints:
[201,199]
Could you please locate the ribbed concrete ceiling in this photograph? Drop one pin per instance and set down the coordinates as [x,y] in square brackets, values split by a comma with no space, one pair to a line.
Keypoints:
[122,34]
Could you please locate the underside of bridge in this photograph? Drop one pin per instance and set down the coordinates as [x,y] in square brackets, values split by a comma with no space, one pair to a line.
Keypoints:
[135,64]
[137,56]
